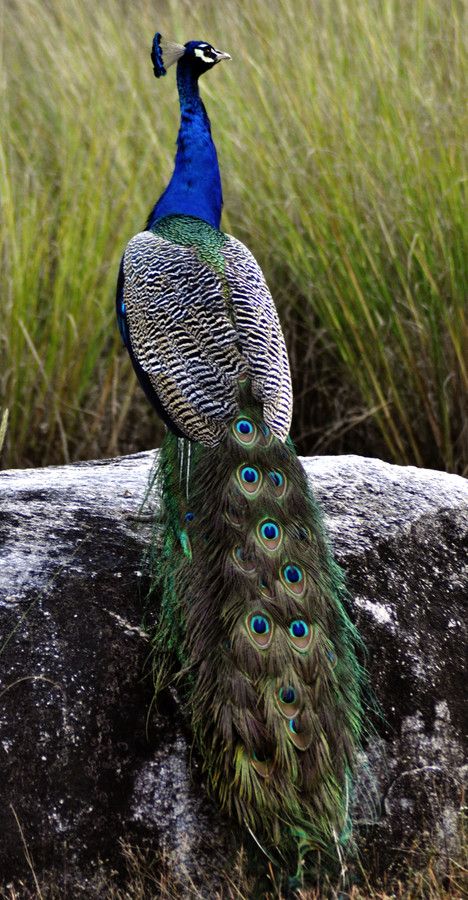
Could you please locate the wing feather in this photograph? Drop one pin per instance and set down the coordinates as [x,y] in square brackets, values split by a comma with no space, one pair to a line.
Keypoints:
[195,331]
[181,334]
[260,336]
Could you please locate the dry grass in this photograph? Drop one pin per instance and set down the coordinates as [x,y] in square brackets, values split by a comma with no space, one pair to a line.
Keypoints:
[150,876]
[340,129]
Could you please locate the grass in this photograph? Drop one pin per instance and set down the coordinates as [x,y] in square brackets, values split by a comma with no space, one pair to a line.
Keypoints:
[159,876]
[340,132]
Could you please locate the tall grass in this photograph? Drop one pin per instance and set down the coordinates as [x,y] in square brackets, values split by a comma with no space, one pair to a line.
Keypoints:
[341,139]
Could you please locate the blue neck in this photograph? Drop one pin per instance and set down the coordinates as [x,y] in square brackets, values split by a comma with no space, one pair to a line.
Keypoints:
[195,186]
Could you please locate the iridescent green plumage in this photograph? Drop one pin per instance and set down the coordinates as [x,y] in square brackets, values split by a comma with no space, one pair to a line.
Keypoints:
[186,231]
[252,616]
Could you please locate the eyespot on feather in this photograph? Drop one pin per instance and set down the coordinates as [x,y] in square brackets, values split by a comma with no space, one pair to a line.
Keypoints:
[245,431]
[266,435]
[299,738]
[265,588]
[262,766]
[249,479]
[287,701]
[279,482]
[259,629]
[293,579]
[300,634]
[239,557]
[270,534]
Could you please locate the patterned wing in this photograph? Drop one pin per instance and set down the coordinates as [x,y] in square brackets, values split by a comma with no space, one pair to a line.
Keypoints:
[260,336]
[181,334]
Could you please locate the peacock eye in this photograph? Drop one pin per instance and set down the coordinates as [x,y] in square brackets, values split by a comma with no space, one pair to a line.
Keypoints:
[261,762]
[292,574]
[298,734]
[288,701]
[249,479]
[287,695]
[267,436]
[245,431]
[260,625]
[249,475]
[265,587]
[269,531]
[277,478]
[279,482]
[292,577]
[270,534]
[242,561]
[299,628]
[301,634]
[259,629]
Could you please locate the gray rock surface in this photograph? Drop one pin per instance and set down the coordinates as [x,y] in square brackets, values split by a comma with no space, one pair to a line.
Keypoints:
[88,763]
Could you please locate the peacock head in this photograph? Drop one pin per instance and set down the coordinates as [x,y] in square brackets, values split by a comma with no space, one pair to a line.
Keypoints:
[201,55]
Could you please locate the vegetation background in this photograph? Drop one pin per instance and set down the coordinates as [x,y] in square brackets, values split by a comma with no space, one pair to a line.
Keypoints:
[340,126]
[340,129]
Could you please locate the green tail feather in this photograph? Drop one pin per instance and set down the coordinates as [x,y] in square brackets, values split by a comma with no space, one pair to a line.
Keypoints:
[252,617]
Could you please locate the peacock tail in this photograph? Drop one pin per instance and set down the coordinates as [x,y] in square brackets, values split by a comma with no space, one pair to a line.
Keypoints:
[252,609]
[251,621]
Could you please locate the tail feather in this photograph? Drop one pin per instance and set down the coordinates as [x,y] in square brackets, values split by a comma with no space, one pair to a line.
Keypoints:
[252,609]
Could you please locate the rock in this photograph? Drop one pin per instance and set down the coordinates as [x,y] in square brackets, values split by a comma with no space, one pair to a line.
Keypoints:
[87,763]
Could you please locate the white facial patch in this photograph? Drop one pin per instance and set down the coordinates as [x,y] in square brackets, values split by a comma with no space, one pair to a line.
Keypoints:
[201,53]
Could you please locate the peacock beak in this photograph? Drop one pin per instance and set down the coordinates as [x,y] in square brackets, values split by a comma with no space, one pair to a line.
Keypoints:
[221,55]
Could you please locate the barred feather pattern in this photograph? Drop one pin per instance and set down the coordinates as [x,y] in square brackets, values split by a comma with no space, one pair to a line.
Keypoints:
[200,317]
[252,607]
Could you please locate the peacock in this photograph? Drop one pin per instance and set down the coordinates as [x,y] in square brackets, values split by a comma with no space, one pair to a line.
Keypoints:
[252,620]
